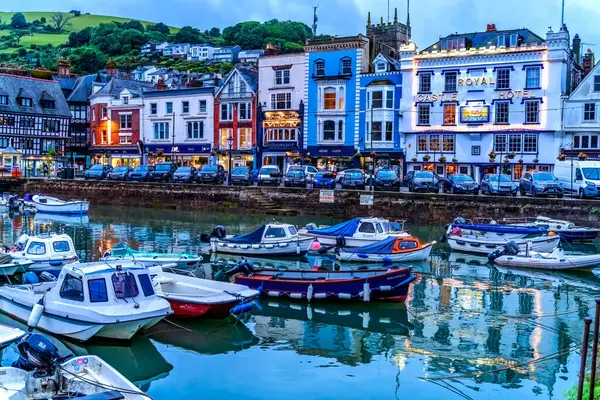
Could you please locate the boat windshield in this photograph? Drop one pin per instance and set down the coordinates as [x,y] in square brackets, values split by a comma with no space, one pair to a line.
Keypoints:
[544,176]
[124,285]
[163,167]
[503,178]
[591,173]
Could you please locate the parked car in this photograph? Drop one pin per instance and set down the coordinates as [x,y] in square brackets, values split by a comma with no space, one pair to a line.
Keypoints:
[184,174]
[353,179]
[295,178]
[423,181]
[242,176]
[163,172]
[499,185]
[211,174]
[324,180]
[269,175]
[387,179]
[141,173]
[309,171]
[120,173]
[540,184]
[407,178]
[460,183]
[581,178]
[98,171]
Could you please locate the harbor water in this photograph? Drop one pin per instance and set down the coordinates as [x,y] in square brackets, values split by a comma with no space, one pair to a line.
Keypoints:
[467,330]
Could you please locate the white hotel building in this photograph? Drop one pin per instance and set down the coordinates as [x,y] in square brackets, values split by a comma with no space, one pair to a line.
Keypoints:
[469,96]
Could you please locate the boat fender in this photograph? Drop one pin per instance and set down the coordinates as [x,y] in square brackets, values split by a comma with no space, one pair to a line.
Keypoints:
[362,255]
[36,314]
[55,263]
[241,308]
[298,249]
[29,278]
[387,260]
[320,295]
[366,292]
[309,312]
[366,318]
[443,238]
[345,296]
[310,292]
[295,295]
[273,293]
[386,288]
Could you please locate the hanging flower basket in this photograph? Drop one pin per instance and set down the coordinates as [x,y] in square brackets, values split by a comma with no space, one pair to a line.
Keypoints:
[535,161]
[511,155]
[455,161]
[159,153]
[562,157]
[506,160]
[426,158]
[582,156]
[520,161]
[491,154]
[442,159]
[492,159]
[372,154]
[414,159]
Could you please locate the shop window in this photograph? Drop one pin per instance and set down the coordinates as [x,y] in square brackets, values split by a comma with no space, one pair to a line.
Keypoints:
[449,114]
[71,289]
[532,112]
[439,169]
[517,171]
[425,83]
[223,135]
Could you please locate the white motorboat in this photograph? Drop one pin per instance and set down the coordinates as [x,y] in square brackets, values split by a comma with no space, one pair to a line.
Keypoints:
[195,297]
[567,230]
[40,373]
[270,240]
[100,299]
[150,258]
[484,245]
[49,252]
[556,260]
[14,267]
[9,335]
[357,232]
[53,205]
[390,250]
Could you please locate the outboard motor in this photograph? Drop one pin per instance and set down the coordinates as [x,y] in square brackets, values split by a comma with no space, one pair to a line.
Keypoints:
[219,232]
[311,226]
[243,266]
[340,242]
[510,249]
[47,277]
[459,221]
[37,353]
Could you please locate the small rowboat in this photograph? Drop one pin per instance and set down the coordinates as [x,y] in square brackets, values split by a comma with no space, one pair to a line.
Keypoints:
[390,250]
[192,297]
[471,244]
[150,259]
[557,260]
[364,285]
[49,204]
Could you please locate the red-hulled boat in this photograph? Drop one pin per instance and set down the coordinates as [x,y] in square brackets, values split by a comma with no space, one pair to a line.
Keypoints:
[363,285]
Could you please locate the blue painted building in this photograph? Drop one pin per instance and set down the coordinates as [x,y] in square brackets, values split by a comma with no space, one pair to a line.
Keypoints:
[332,94]
[380,136]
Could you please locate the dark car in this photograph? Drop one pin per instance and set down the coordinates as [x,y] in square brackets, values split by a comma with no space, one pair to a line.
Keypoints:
[141,173]
[295,178]
[184,174]
[460,183]
[269,175]
[120,173]
[499,185]
[423,181]
[540,184]
[324,180]
[242,176]
[387,179]
[211,174]
[353,179]
[163,172]
[407,178]
[98,171]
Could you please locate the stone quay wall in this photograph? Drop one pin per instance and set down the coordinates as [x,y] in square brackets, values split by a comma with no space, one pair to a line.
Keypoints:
[420,208]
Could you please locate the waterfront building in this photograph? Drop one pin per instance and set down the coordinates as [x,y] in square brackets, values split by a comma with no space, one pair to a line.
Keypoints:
[177,124]
[282,80]
[235,106]
[201,52]
[479,102]
[153,47]
[115,121]
[34,124]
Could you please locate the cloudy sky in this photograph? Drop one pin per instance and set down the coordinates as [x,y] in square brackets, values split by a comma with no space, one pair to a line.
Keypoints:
[429,18]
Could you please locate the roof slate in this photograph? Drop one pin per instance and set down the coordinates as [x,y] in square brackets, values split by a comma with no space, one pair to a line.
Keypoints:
[15,86]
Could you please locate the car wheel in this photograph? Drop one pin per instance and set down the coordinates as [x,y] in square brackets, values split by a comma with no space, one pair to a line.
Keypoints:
[581,195]
[476,193]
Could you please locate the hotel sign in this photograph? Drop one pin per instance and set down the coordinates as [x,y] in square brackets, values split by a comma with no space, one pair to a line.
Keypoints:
[281,119]
[472,113]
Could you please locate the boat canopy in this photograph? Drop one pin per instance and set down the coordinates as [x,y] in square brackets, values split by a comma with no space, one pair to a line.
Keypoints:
[253,237]
[389,245]
[347,228]
[528,230]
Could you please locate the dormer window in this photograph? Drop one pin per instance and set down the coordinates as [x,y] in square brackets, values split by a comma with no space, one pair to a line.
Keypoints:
[511,40]
[48,104]
[453,44]
[125,99]
[3,100]
[25,102]
[381,67]
[320,68]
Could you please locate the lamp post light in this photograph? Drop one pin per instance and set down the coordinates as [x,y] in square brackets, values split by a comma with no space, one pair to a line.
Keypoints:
[230,144]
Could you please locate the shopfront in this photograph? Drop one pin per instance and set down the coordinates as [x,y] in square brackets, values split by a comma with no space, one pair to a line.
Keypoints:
[330,157]
[282,134]
[116,156]
[194,155]
[393,160]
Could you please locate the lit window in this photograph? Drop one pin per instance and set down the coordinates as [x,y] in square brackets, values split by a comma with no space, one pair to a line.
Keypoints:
[434,142]
[449,114]
[244,138]
[448,143]
[330,99]
[422,143]
[103,137]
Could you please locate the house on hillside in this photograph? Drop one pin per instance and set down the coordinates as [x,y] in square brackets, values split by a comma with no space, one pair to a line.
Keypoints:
[226,54]
[200,52]
[250,56]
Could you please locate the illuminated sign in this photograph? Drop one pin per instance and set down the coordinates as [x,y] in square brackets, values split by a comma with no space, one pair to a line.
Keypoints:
[478,80]
[472,113]
[281,119]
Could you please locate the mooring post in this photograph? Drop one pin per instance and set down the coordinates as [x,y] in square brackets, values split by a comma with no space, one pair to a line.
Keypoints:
[584,351]
[594,350]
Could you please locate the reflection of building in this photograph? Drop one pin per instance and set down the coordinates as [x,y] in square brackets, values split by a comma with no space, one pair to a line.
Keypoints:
[282,86]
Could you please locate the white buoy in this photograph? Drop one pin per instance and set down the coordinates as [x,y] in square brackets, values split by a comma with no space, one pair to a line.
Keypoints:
[366,292]
[273,294]
[309,312]
[366,318]
[295,295]
[320,295]
[35,316]
[345,296]
[310,292]
[385,288]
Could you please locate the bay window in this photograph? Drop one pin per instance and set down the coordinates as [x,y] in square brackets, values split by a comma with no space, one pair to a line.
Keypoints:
[281,135]
[516,142]
[431,143]
[585,142]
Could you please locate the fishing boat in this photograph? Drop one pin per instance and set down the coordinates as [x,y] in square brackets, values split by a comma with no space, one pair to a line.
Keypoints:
[40,373]
[365,285]
[47,252]
[390,250]
[493,230]
[357,232]
[149,258]
[195,297]
[99,299]
[567,230]
[53,205]
[555,260]
[272,239]
[484,245]
[14,267]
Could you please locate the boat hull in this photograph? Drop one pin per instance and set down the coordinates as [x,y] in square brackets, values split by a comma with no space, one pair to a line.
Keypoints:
[542,244]
[153,262]
[49,265]
[551,264]
[417,255]
[350,241]
[283,248]
[183,309]
[75,207]
[579,235]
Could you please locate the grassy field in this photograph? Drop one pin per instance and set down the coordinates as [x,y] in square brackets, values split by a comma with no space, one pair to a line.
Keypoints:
[78,23]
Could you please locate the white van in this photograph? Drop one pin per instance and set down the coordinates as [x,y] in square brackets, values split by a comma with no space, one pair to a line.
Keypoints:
[579,177]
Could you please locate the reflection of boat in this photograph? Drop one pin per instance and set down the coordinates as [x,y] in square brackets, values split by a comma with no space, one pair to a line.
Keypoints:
[355,233]
[484,245]
[466,258]
[53,205]
[390,250]
[382,317]
[231,260]
[46,252]
[579,279]
[567,230]
[206,336]
[66,219]
[557,260]
[150,258]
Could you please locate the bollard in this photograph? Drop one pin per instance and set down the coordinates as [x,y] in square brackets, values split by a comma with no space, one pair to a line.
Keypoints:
[584,351]
[594,350]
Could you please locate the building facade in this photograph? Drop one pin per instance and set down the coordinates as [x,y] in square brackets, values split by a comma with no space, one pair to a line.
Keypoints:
[226,54]
[235,107]
[201,52]
[477,103]
[332,99]
[178,125]
[282,80]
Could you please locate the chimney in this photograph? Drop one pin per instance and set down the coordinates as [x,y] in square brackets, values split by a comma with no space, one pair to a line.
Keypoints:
[111,68]
[160,85]
[64,67]
[577,48]
[491,28]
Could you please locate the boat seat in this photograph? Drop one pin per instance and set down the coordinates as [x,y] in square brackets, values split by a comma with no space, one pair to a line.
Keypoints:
[112,395]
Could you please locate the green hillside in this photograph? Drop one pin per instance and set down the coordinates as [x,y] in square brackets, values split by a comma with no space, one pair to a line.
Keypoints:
[56,39]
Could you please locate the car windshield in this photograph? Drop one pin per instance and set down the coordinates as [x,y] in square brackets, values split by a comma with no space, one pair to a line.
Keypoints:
[324,174]
[386,174]
[353,175]
[461,178]
[209,168]
[240,171]
[97,167]
[503,178]
[544,176]
[424,175]
[142,168]
[121,169]
[268,170]
[184,170]
[591,173]
[163,167]
[295,174]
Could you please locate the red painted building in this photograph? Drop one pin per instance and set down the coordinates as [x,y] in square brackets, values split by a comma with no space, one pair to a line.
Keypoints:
[236,103]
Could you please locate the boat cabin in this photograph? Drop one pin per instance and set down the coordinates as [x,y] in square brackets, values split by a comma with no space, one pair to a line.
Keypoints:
[277,232]
[52,246]
[374,226]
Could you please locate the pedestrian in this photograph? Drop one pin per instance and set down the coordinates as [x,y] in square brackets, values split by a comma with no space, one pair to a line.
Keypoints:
[45,170]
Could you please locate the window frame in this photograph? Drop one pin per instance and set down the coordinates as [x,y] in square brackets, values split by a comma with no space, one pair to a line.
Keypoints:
[425,83]
[153,108]
[503,82]
[537,80]
[596,86]
[420,115]
[589,115]
[124,121]
[67,278]
[202,106]
[319,67]
[185,107]
[445,114]
[96,300]
[497,113]
[169,107]
[450,87]
[247,111]
[527,104]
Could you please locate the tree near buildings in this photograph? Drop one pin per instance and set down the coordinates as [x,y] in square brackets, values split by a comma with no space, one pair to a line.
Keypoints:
[87,60]
[60,21]
[160,27]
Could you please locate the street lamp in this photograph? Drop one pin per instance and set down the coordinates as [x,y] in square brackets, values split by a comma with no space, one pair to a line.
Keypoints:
[230,144]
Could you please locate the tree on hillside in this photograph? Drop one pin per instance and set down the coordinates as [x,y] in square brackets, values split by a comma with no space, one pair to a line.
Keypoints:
[248,35]
[43,20]
[187,34]
[137,25]
[160,27]
[87,60]
[81,38]
[18,21]
[60,21]
[17,35]
[214,32]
